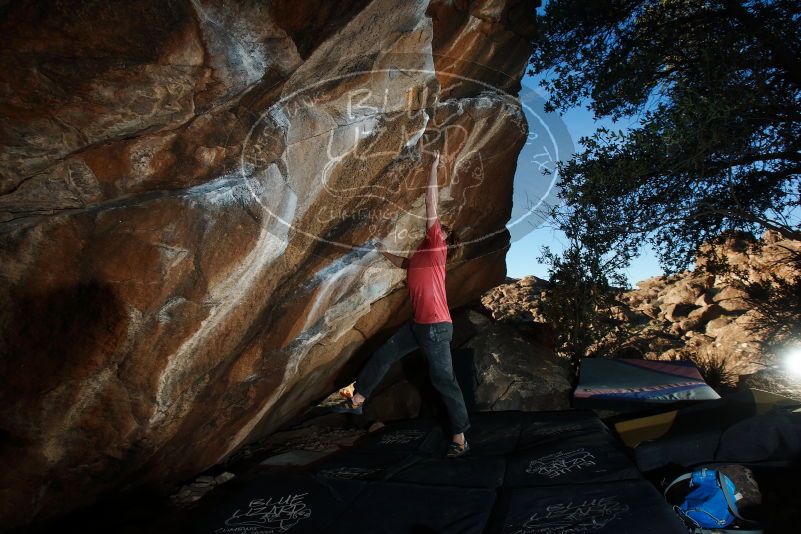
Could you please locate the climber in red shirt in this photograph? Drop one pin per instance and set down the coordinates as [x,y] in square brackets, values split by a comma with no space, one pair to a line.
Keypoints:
[430,328]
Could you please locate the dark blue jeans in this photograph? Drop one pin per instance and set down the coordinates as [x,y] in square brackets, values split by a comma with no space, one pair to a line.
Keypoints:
[435,340]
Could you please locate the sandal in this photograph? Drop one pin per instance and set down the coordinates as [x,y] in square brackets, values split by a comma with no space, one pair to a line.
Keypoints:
[456,449]
[346,406]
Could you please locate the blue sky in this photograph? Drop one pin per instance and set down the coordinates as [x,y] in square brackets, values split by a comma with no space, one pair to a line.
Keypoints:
[521,260]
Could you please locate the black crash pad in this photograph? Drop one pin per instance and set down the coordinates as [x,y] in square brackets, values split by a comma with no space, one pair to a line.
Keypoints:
[401,436]
[580,459]
[626,507]
[487,436]
[352,465]
[396,508]
[731,429]
[272,503]
[547,468]
[465,472]
[543,427]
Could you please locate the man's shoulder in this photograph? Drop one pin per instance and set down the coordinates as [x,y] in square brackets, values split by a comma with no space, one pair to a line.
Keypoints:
[434,232]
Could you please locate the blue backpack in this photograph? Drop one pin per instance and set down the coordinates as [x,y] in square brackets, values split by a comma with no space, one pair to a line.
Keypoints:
[710,505]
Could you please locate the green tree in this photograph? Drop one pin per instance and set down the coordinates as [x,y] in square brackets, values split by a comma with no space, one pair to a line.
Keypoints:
[716,85]
[585,281]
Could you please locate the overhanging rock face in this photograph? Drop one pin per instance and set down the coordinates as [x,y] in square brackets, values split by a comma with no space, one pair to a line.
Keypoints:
[189,193]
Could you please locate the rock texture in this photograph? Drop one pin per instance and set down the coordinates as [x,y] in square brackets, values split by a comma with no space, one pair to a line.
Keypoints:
[517,302]
[513,372]
[693,315]
[188,195]
[707,317]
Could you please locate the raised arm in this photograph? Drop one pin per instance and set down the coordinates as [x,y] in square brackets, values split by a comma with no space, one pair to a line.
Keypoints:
[432,194]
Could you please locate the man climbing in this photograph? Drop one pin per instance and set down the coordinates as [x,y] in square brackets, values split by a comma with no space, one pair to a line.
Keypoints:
[430,328]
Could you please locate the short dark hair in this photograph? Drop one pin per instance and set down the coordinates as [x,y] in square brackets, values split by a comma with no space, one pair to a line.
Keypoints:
[453,242]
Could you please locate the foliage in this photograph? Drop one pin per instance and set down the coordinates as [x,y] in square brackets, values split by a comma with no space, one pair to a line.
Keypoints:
[716,372]
[584,284]
[715,89]
[717,85]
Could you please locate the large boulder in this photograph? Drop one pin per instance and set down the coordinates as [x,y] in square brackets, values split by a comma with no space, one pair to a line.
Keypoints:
[189,192]
[513,372]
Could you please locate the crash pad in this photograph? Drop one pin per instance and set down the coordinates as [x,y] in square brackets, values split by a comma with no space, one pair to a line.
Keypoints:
[579,459]
[629,384]
[624,507]
[554,472]
[746,426]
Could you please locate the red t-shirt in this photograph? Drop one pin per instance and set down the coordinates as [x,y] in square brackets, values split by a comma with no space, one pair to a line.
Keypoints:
[426,278]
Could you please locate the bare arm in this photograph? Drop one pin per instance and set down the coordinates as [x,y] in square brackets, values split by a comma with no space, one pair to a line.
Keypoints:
[397,261]
[432,194]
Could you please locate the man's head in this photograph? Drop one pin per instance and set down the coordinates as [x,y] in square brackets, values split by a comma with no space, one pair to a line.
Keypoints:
[452,240]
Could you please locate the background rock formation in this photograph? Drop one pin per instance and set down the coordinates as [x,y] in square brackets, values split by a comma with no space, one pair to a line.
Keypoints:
[188,193]
[709,317]
[697,315]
